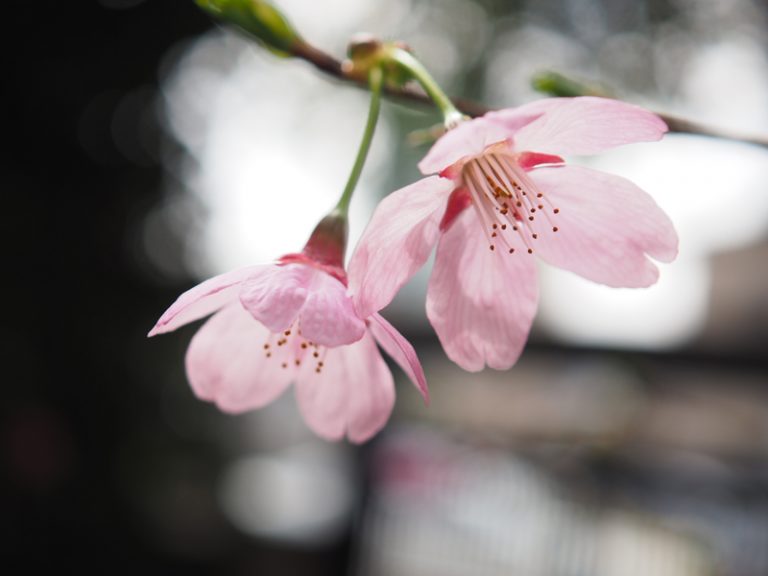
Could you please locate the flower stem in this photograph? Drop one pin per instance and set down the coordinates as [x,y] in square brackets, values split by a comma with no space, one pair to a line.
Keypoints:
[375,81]
[451,115]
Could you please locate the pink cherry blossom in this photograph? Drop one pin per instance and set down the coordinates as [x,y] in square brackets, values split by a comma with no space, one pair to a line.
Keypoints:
[526,202]
[292,321]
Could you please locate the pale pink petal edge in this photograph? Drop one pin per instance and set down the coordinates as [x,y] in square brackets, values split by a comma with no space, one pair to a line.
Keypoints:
[401,351]
[204,299]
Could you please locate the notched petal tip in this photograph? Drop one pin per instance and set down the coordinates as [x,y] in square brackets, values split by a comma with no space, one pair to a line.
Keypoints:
[611,238]
[481,303]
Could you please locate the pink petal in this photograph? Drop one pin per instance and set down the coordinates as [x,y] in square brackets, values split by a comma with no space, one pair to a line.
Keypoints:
[204,299]
[467,139]
[513,119]
[275,295]
[607,227]
[481,302]
[401,351]
[328,316]
[586,125]
[353,393]
[396,242]
[227,364]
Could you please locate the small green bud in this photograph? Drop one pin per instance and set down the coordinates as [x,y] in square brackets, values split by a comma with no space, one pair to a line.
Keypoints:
[257,18]
[556,84]
[366,52]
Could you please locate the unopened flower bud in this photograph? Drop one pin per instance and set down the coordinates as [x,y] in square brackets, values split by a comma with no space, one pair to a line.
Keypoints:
[257,18]
[555,84]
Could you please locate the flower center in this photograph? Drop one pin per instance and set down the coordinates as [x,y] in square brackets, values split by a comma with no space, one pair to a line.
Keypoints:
[507,200]
[290,348]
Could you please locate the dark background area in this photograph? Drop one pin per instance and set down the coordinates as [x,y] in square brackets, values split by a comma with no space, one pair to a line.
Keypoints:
[104,473]
[77,391]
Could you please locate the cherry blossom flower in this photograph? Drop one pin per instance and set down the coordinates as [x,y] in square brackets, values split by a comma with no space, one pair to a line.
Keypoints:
[525,201]
[292,321]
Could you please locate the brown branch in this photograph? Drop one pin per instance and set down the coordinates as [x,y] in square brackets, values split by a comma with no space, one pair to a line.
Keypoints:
[334,68]
[683,126]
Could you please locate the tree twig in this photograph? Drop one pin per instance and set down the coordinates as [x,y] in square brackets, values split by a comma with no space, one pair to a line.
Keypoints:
[333,67]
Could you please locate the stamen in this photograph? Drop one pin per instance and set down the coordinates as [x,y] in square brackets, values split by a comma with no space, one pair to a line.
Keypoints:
[482,198]
[496,182]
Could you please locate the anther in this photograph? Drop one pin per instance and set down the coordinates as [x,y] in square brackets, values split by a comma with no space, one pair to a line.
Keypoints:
[556,210]
[297,362]
[495,226]
[555,229]
[285,364]
[304,345]
[535,236]
[492,247]
[503,226]
[266,346]
[531,218]
[316,354]
[511,250]
[287,332]
[493,235]
[539,195]
[269,354]
[530,250]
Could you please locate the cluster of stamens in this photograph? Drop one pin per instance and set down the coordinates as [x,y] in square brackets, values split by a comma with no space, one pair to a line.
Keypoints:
[507,200]
[304,350]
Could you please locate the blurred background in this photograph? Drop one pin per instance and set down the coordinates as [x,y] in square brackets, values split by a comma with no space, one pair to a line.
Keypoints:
[148,149]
